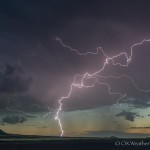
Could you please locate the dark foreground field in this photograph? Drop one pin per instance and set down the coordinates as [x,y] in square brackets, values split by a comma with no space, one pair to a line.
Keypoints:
[31,142]
[73,144]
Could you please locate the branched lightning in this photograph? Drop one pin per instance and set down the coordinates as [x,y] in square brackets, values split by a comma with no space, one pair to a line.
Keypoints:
[50,111]
[19,111]
[96,75]
[66,46]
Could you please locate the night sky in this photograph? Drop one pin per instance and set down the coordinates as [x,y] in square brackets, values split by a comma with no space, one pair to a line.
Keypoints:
[36,70]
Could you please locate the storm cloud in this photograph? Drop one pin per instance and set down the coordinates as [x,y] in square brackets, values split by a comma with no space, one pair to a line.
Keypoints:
[115,134]
[13,119]
[12,80]
[139,128]
[25,24]
[130,116]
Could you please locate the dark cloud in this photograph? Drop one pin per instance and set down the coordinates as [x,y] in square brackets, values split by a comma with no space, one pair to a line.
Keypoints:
[42,127]
[130,116]
[26,103]
[139,128]
[115,27]
[20,102]
[31,116]
[32,125]
[14,119]
[55,14]
[118,134]
[12,80]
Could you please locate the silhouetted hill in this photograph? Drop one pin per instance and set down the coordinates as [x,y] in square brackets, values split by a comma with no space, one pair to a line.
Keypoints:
[3,133]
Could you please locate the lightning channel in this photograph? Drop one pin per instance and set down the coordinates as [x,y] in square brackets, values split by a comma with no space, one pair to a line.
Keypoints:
[96,75]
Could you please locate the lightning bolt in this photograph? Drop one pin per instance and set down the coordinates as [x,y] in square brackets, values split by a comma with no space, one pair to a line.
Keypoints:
[95,75]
